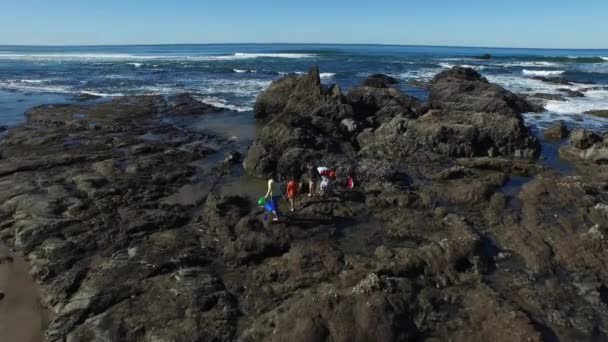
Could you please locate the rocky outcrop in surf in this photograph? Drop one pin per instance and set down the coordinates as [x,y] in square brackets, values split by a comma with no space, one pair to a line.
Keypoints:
[381,120]
[464,89]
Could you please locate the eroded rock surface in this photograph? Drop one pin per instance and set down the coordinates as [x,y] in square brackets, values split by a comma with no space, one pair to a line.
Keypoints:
[454,231]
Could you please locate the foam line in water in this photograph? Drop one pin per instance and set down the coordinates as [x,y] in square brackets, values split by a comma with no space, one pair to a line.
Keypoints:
[221,103]
[126,57]
[450,66]
[542,72]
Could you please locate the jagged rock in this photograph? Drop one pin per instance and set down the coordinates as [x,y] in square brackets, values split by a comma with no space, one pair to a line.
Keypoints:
[484,56]
[583,138]
[545,96]
[571,93]
[380,81]
[585,146]
[455,134]
[464,89]
[304,95]
[382,102]
[603,113]
[552,80]
[557,131]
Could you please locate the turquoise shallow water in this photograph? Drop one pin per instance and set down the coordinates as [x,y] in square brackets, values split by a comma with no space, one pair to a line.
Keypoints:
[233,75]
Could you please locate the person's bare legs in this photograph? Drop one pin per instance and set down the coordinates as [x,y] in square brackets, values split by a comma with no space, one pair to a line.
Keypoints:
[311,188]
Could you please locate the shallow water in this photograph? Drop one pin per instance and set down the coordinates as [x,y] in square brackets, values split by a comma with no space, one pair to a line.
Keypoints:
[22,317]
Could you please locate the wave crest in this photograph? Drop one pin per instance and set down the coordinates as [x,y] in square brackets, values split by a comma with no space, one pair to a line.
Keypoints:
[542,72]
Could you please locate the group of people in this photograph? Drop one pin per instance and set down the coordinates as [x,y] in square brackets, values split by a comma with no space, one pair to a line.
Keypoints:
[320,182]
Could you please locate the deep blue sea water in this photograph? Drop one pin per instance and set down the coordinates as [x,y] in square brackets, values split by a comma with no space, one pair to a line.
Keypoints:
[233,75]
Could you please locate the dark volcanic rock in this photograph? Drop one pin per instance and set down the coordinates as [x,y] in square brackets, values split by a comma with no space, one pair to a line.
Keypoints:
[571,93]
[114,258]
[545,96]
[557,131]
[426,246]
[380,81]
[455,134]
[463,89]
[598,112]
[584,139]
[585,146]
[303,95]
[484,56]
[382,102]
[315,121]
[552,80]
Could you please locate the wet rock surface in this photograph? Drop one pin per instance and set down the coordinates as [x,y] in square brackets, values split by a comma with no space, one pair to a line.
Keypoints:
[428,246]
[557,131]
[464,89]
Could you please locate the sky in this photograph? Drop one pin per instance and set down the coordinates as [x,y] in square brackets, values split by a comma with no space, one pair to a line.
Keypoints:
[488,23]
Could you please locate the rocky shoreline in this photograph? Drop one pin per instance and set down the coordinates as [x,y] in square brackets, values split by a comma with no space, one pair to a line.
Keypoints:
[457,231]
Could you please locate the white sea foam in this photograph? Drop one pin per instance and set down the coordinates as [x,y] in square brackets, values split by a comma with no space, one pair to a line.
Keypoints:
[221,103]
[127,57]
[274,55]
[450,66]
[33,81]
[243,71]
[593,100]
[327,74]
[137,65]
[604,58]
[528,72]
[33,87]
[528,64]
[422,74]
[95,93]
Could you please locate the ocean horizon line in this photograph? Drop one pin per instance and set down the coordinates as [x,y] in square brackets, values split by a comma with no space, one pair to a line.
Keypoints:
[294,44]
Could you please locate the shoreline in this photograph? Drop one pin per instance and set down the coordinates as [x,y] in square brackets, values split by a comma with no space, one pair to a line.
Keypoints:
[22,316]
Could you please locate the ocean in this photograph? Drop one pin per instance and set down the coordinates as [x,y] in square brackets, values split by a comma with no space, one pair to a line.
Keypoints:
[232,75]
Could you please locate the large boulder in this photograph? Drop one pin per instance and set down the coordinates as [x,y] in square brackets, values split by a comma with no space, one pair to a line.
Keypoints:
[464,89]
[585,146]
[454,134]
[380,81]
[369,101]
[304,94]
[557,131]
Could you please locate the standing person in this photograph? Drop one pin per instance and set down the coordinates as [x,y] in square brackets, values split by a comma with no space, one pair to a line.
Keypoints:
[270,199]
[292,192]
[272,188]
[313,179]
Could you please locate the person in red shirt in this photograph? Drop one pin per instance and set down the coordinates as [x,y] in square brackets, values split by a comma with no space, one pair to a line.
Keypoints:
[292,192]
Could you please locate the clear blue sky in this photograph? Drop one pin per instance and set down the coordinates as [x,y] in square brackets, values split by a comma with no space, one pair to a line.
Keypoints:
[515,23]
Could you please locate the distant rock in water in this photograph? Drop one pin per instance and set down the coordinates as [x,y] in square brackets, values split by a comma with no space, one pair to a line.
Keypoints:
[380,81]
[571,93]
[86,97]
[484,56]
[464,89]
[553,80]
[546,96]
[557,131]
[603,113]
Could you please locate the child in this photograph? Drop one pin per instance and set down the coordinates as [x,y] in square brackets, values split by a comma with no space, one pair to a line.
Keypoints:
[270,207]
[292,192]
